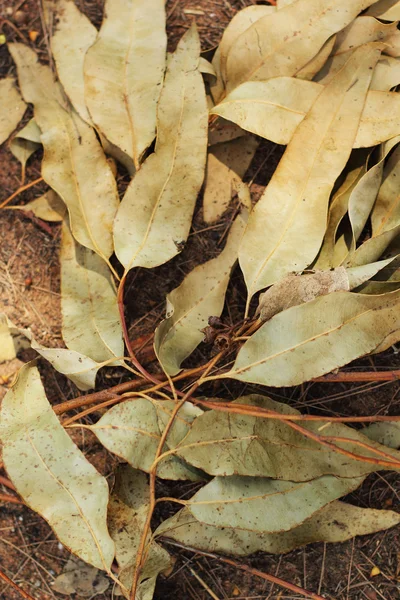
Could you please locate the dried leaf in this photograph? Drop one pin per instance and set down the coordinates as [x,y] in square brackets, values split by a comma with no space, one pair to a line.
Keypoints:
[132,431]
[388,10]
[386,74]
[74,164]
[12,108]
[336,522]
[301,28]
[225,444]
[315,64]
[154,218]
[362,31]
[273,109]
[330,255]
[79,578]
[200,296]
[51,474]
[226,164]
[90,316]
[296,199]
[25,143]
[330,331]
[124,71]
[297,289]
[265,505]
[129,505]
[73,36]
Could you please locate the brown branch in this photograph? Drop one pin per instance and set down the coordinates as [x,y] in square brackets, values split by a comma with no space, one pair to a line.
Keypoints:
[16,587]
[153,474]
[247,569]
[324,441]
[7,483]
[134,360]
[10,499]
[358,376]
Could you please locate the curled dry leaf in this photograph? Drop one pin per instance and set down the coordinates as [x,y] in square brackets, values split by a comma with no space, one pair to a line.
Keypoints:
[225,444]
[200,296]
[90,317]
[265,505]
[123,73]
[71,39]
[386,74]
[25,143]
[226,164]
[386,212]
[388,10]
[336,522]
[74,164]
[153,221]
[273,110]
[301,28]
[48,207]
[132,430]
[297,289]
[77,367]
[127,513]
[329,331]
[51,474]
[12,108]
[296,199]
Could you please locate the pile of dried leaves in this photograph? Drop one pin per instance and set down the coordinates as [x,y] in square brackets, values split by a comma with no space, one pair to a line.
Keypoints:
[323,241]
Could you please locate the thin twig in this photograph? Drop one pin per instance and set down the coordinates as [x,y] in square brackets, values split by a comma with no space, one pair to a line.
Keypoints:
[250,570]
[16,587]
[19,191]
[10,499]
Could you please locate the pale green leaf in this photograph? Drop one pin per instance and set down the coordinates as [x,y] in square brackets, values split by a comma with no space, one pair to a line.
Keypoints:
[72,37]
[12,108]
[90,316]
[123,73]
[265,505]
[201,295]
[51,474]
[387,433]
[132,431]
[74,164]
[273,109]
[226,163]
[285,41]
[10,344]
[128,508]
[296,199]
[311,339]
[222,443]
[154,218]
[336,522]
